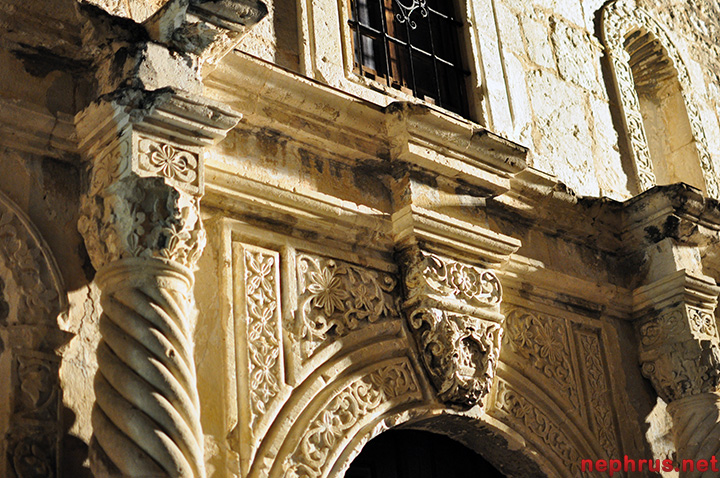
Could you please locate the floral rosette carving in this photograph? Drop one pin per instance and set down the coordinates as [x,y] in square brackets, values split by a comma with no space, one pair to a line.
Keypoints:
[541,342]
[178,165]
[453,279]
[459,351]
[336,298]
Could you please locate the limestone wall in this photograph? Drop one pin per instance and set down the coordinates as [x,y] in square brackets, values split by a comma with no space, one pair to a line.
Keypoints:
[334,184]
[538,77]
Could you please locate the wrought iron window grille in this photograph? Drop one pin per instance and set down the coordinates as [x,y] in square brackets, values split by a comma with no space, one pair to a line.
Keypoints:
[412,46]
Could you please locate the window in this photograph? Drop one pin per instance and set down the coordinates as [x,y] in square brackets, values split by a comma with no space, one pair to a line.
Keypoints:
[665,120]
[664,131]
[412,46]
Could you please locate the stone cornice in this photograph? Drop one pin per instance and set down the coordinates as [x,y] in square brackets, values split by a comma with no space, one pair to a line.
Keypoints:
[677,211]
[421,136]
[29,128]
[438,232]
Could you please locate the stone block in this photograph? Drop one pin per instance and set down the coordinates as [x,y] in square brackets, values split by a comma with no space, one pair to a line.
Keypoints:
[564,141]
[577,56]
[509,28]
[612,177]
[537,36]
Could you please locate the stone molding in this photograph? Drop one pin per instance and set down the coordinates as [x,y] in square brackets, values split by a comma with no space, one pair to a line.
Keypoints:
[363,131]
[619,19]
[366,396]
[30,338]
[206,29]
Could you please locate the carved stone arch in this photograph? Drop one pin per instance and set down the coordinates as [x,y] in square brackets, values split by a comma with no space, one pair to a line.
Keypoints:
[333,403]
[558,435]
[620,20]
[501,445]
[352,398]
[32,296]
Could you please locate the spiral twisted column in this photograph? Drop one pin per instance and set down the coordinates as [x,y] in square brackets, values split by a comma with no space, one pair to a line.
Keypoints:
[696,423]
[146,419]
[140,219]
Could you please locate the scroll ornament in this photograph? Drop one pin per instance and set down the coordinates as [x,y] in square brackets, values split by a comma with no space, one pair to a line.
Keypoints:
[452,311]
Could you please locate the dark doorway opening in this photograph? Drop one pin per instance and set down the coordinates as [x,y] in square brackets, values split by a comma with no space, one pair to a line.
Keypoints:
[418,454]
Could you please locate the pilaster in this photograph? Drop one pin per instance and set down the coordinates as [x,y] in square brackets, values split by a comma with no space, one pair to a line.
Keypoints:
[674,313]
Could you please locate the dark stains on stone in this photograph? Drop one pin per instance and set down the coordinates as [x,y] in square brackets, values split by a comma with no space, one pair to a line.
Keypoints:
[311,161]
[671,226]
[581,306]
[653,234]
[85,263]
[40,61]
[4,307]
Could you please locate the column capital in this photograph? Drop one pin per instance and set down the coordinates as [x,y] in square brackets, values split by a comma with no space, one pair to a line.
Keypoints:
[144,154]
[679,344]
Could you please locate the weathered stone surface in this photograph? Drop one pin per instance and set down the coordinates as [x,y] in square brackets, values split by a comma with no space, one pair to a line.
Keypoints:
[359,239]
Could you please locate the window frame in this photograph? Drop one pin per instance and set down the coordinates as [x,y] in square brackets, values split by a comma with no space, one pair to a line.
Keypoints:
[401,54]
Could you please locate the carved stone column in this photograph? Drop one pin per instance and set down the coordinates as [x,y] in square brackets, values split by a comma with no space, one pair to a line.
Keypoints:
[680,354]
[142,228]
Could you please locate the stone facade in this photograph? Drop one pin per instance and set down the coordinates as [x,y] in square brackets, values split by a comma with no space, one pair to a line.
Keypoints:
[225,253]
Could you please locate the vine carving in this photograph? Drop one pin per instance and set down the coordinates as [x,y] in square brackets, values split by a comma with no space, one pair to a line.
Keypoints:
[394,383]
[519,409]
[337,298]
[452,309]
[602,412]
[261,272]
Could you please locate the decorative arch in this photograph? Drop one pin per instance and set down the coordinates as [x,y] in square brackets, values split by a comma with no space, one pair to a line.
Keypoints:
[355,397]
[32,295]
[624,23]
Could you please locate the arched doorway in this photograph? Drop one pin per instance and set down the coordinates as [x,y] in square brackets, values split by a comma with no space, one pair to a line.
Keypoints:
[418,454]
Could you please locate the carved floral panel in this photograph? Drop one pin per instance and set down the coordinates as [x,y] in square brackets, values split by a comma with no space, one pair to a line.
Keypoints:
[601,414]
[680,352]
[540,342]
[336,298]
[180,165]
[262,309]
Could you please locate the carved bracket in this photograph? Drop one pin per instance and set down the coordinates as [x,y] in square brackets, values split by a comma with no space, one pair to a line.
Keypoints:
[679,343]
[453,312]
